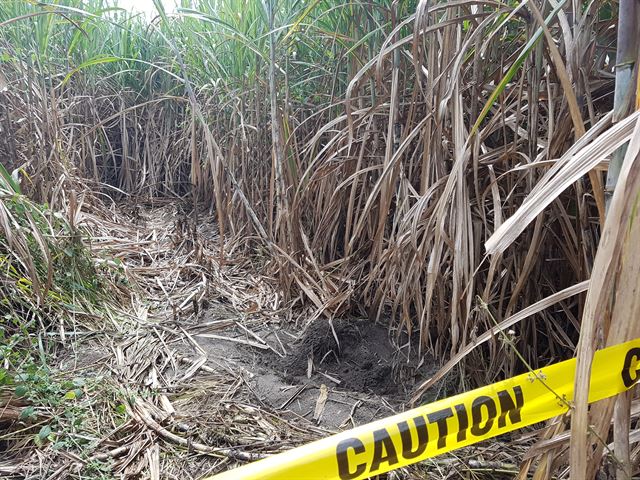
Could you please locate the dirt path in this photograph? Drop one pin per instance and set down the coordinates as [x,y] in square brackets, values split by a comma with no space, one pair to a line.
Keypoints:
[286,370]
[202,370]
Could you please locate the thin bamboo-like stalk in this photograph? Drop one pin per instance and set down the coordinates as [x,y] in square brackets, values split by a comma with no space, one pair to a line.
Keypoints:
[628,43]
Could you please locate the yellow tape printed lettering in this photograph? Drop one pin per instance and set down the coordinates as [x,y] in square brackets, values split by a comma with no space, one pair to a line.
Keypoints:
[414,434]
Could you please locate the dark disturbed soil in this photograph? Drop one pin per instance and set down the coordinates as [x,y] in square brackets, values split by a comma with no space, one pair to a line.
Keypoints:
[356,352]
[364,375]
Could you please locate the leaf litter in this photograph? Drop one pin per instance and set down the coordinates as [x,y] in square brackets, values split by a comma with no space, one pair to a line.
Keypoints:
[201,367]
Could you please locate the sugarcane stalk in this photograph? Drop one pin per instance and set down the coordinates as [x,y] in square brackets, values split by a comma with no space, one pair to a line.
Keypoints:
[625,90]
[623,103]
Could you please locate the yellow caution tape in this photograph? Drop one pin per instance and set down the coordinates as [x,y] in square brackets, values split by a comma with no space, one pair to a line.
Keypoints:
[448,424]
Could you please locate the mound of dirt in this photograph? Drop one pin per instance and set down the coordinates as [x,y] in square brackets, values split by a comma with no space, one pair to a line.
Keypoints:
[356,352]
[365,375]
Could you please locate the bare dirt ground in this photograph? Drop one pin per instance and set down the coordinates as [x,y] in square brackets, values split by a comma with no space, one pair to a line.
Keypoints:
[204,369]
[352,360]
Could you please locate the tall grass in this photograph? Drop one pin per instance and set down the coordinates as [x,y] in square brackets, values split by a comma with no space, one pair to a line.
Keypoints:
[371,147]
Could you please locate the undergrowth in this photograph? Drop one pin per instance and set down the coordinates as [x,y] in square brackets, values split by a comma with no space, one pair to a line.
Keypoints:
[51,287]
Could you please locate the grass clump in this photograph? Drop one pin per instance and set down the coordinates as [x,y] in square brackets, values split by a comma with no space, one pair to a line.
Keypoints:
[51,288]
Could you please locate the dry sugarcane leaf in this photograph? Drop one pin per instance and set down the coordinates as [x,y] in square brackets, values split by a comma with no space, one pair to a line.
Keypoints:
[152,455]
[505,324]
[321,403]
[584,462]
[587,152]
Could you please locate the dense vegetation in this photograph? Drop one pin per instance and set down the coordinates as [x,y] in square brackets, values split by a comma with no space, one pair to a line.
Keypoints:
[361,152]
[374,195]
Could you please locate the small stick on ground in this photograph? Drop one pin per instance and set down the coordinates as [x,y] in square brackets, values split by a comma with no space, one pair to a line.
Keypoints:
[140,413]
